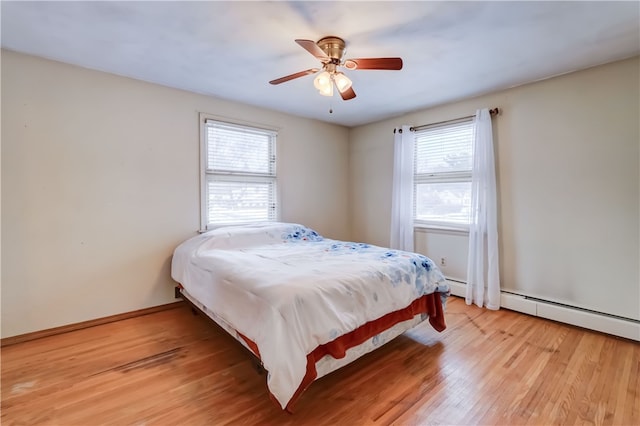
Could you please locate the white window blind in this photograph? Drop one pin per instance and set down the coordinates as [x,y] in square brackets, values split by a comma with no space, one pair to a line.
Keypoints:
[442,174]
[239,174]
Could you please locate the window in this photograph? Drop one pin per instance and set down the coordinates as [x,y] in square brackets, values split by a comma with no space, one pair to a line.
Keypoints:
[238,174]
[442,174]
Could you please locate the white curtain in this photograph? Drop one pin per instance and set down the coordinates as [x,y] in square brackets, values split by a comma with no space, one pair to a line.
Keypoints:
[483,276]
[402,191]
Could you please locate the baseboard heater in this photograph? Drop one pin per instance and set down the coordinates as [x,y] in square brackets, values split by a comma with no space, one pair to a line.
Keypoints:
[586,318]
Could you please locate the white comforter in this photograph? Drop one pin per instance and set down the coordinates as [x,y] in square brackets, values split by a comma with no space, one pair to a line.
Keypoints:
[289,290]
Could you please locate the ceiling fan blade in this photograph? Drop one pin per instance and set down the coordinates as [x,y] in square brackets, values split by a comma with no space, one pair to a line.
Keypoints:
[374,64]
[347,94]
[311,47]
[296,75]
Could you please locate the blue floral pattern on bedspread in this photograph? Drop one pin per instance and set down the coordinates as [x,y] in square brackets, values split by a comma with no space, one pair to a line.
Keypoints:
[301,233]
[347,247]
[405,268]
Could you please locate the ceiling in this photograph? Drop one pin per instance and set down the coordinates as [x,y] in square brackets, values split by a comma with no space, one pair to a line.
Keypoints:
[232,49]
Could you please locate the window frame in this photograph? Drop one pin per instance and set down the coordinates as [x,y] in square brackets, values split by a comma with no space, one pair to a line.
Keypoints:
[205,173]
[440,177]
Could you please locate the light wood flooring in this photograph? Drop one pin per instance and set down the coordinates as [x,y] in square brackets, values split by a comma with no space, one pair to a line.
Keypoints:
[174,368]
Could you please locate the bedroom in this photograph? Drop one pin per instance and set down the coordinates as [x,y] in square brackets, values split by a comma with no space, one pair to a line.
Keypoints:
[118,175]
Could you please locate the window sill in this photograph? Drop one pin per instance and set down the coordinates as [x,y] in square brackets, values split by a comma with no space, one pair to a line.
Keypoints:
[440,229]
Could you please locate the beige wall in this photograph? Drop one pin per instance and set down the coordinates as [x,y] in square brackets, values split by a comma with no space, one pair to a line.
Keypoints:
[100,183]
[568,153]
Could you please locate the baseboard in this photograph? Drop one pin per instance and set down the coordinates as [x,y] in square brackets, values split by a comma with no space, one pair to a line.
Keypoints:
[457,288]
[615,326]
[12,340]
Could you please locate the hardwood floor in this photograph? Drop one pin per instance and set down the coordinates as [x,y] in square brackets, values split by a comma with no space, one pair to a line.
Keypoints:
[172,367]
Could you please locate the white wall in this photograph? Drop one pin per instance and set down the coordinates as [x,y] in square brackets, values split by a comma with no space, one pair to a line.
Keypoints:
[568,153]
[100,183]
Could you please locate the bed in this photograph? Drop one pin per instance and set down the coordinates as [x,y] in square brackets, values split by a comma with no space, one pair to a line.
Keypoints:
[303,304]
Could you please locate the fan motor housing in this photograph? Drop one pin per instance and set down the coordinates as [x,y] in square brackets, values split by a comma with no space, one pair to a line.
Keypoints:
[332,46]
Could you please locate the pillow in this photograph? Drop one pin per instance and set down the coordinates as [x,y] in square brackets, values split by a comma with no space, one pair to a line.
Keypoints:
[239,236]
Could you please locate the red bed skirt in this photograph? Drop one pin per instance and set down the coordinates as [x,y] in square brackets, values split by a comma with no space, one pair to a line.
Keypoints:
[430,304]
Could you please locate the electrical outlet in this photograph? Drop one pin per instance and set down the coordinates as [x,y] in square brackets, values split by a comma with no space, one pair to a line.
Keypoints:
[443,261]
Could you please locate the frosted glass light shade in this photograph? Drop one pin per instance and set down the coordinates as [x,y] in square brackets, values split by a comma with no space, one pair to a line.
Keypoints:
[324,84]
[342,81]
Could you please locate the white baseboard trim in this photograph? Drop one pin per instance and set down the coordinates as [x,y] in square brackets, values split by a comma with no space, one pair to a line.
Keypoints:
[628,329]
[457,288]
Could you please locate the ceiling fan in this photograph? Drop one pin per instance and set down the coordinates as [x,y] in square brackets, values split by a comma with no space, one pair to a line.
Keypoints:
[330,50]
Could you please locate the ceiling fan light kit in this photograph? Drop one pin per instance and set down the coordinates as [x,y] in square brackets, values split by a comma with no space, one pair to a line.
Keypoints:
[330,50]
[324,83]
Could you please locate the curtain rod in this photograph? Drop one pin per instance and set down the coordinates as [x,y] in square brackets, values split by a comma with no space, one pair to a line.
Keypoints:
[492,111]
